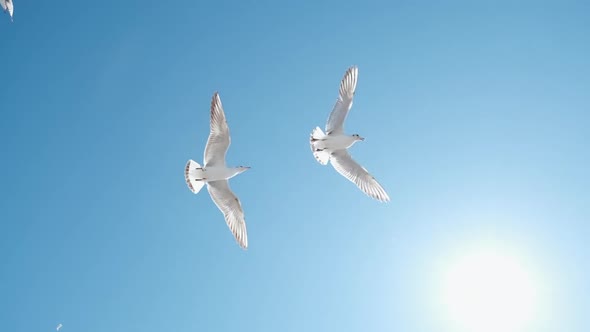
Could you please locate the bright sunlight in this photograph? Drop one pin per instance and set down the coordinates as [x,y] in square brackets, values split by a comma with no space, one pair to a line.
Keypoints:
[487,291]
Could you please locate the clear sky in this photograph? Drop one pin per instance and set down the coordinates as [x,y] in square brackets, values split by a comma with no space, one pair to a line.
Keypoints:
[476,118]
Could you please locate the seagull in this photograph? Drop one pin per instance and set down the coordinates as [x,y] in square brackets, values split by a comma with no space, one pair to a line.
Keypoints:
[58,327]
[332,146]
[216,174]
[8,6]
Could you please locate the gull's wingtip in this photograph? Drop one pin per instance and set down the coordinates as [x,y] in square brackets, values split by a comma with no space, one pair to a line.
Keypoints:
[384,198]
[380,199]
[242,242]
[216,99]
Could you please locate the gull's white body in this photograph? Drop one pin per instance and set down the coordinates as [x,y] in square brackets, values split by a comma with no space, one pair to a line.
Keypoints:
[335,142]
[215,174]
[332,146]
[8,6]
[58,327]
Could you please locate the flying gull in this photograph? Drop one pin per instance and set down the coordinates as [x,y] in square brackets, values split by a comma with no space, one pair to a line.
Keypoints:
[216,174]
[332,146]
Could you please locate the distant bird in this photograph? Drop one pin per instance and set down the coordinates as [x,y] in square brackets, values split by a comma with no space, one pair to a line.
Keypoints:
[216,174]
[7,6]
[332,146]
[58,327]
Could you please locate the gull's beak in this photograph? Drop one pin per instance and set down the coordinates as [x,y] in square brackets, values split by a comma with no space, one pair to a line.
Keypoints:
[362,138]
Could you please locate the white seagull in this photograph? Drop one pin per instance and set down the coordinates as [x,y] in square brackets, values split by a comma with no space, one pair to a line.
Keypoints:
[7,6]
[332,146]
[58,327]
[216,174]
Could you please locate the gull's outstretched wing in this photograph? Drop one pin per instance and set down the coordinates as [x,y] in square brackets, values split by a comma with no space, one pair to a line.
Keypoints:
[3,4]
[350,169]
[230,206]
[219,138]
[335,122]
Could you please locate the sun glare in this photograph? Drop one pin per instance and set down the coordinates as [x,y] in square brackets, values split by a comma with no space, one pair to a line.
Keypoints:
[488,291]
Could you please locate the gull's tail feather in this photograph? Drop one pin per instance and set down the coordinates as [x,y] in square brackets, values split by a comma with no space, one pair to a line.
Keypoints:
[321,155]
[194,184]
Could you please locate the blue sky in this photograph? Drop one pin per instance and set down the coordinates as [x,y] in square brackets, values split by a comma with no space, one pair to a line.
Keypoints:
[476,121]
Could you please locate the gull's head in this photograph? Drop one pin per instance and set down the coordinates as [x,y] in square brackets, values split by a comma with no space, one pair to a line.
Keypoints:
[358,137]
